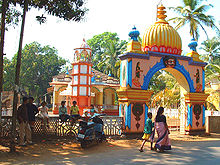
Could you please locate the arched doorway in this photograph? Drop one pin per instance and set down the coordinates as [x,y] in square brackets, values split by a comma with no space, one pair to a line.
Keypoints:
[110,102]
[135,96]
[160,50]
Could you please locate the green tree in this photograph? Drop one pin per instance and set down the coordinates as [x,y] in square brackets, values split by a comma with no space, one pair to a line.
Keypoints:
[166,89]
[39,65]
[193,13]
[3,10]
[105,50]
[70,10]
[211,47]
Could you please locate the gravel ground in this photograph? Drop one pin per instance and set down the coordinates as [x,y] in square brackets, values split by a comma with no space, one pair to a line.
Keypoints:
[185,150]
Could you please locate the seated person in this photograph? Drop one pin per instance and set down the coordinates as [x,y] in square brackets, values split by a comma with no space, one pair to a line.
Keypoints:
[92,111]
[86,116]
[63,112]
[74,110]
[44,112]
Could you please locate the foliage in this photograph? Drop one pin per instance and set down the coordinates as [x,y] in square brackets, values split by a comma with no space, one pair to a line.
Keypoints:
[212,101]
[70,10]
[212,70]
[39,65]
[12,15]
[106,48]
[166,90]
[193,13]
[212,50]
[212,57]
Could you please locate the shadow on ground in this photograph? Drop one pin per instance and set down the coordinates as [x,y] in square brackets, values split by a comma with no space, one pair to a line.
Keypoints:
[125,151]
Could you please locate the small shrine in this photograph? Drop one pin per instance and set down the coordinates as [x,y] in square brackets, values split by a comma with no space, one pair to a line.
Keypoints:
[85,85]
[161,49]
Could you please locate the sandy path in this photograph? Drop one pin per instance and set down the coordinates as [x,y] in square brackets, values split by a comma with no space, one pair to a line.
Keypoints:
[186,150]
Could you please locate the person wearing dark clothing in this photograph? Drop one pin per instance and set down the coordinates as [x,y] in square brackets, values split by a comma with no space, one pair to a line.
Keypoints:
[161,118]
[22,115]
[32,111]
[161,127]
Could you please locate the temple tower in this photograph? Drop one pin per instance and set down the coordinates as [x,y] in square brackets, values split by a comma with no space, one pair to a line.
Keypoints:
[81,76]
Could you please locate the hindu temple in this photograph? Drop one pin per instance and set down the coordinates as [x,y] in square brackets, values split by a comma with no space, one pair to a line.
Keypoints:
[161,49]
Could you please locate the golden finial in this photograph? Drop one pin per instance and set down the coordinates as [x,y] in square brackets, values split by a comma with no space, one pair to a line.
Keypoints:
[161,14]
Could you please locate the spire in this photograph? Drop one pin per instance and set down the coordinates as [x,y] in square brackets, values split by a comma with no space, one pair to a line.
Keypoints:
[134,34]
[134,46]
[161,14]
[193,44]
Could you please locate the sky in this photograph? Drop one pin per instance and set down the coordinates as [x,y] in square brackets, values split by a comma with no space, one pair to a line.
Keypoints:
[103,16]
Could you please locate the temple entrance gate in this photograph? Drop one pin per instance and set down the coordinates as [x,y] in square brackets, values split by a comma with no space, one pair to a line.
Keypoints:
[160,50]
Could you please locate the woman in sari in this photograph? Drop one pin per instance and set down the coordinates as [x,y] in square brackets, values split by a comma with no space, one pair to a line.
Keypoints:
[161,127]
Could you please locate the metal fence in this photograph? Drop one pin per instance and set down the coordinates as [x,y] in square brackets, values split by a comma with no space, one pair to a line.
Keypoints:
[112,126]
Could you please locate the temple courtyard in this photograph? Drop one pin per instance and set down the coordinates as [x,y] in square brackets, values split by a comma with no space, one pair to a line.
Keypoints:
[185,150]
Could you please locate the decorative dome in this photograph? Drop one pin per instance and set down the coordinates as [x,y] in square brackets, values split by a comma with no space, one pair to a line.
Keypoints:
[134,34]
[161,37]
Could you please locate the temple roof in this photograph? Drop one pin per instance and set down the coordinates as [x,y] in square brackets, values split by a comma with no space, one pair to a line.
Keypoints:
[161,37]
[100,78]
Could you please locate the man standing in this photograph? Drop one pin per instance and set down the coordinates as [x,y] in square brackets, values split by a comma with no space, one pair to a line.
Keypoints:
[32,111]
[25,129]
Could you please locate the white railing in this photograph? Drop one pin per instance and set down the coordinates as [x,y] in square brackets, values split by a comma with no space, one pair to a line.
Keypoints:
[115,107]
[212,113]
[112,126]
[6,111]
[171,113]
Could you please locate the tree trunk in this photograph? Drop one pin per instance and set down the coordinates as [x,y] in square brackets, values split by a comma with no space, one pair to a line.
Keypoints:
[4,6]
[17,76]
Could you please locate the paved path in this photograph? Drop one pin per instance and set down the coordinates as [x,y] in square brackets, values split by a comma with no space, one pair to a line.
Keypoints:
[207,152]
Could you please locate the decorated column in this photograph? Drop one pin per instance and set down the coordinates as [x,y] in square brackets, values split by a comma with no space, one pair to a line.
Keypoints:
[195,102]
[133,103]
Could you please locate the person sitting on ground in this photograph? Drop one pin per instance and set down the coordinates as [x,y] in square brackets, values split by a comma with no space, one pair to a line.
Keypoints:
[147,131]
[63,112]
[74,111]
[25,130]
[32,111]
[43,109]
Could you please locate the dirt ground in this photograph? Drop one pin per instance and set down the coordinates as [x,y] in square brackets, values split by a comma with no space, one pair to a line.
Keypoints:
[55,149]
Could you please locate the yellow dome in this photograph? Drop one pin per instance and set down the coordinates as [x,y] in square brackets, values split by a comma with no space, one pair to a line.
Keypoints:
[161,37]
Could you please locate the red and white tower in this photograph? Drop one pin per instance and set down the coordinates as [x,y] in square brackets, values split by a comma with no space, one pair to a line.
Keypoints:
[81,76]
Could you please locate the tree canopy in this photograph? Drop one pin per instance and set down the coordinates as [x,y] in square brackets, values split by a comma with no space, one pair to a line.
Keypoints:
[166,90]
[66,9]
[12,15]
[39,65]
[193,13]
[106,48]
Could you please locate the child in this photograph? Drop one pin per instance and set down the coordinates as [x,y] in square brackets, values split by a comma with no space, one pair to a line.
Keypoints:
[147,131]
[44,112]
[63,112]
[74,112]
